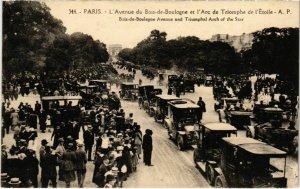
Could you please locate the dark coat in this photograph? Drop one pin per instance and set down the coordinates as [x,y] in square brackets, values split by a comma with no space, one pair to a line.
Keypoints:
[147,142]
[100,178]
[202,105]
[81,160]
[32,164]
[68,166]
[48,164]
[88,138]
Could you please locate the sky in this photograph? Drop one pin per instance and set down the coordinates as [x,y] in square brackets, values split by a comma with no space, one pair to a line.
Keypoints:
[107,28]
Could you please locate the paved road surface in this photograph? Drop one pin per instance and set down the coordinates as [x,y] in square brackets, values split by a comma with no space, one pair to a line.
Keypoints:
[173,168]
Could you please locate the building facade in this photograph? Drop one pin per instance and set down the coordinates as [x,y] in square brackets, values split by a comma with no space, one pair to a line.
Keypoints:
[242,42]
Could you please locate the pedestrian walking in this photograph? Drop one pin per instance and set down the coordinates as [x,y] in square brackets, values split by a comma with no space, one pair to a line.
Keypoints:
[88,138]
[14,116]
[147,147]
[80,164]
[68,165]
[48,165]
[201,104]
[32,170]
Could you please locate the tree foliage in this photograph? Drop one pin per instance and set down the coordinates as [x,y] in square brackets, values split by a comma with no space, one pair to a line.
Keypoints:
[276,50]
[28,28]
[187,53]
[33,37]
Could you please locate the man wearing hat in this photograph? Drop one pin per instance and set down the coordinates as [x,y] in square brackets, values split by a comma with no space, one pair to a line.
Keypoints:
[100,175]
[48,165]
[88,138]
[80,164]
[110,181]
[147,147]
[68,165]
[14,182]
[32,164]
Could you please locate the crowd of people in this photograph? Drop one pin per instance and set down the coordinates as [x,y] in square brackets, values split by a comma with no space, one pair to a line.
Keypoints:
[112,141]
[104,136]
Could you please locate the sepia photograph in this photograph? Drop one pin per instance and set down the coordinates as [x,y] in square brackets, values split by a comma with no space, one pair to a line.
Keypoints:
[150,94]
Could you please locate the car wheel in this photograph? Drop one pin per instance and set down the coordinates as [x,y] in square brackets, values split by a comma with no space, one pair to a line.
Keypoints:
[155,117]
[221,182]
[180,142]
[210,174]
[196,157]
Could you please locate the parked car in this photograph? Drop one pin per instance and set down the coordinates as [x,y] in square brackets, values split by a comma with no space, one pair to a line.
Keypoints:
[146,97]
[240,162]
[209,80]
[208,145]
[160,106]
[239,119]
[93,95]
[144,92]
[189,85]
[182,122]
[129,91]
[103,85]
[172,80]
[68,106]
[270,130]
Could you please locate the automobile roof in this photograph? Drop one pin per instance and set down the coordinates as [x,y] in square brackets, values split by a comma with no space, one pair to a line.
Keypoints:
[219,126]
[253,146]
[99,80]
[273,109]
[241,113]
[168,97]
[61,98]
[146,86]
[127,83]
[232,98]
[182,104]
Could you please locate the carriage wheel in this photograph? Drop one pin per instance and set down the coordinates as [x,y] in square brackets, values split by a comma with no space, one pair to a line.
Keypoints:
[221,182]
[210,174]
[196,157]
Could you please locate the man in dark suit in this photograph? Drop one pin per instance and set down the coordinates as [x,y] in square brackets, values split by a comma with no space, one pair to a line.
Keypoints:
[37,107]
[48,164]
[147,147]
[80,165]
[88,137]
[201,104]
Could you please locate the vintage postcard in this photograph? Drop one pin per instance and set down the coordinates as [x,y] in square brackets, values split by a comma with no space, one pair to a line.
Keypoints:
[150,94]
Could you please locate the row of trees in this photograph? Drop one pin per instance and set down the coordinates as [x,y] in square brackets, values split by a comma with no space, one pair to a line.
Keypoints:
[185,53]
[274,50]
[33,40]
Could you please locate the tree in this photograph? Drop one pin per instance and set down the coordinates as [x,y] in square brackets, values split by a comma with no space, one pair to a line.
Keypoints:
[28,28]
[222,59]
[276,50]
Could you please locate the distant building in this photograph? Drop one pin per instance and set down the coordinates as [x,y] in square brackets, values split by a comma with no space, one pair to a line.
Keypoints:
[114,49]
[242,42]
